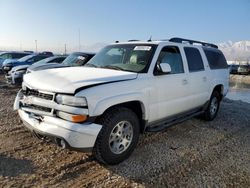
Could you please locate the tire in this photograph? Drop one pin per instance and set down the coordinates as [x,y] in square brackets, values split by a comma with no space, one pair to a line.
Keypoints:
[118,123]
[213,107]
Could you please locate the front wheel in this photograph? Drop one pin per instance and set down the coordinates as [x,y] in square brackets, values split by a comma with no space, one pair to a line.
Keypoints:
[118,136]
[213,107]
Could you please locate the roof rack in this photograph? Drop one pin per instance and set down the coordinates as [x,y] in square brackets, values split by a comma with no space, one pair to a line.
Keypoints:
[181,40]
[133,40]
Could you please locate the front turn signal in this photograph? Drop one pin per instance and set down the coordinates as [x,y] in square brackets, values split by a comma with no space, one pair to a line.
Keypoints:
[76,118]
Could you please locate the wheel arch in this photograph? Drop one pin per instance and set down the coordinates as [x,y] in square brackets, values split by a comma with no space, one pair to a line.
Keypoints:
[136,106]
[220,89]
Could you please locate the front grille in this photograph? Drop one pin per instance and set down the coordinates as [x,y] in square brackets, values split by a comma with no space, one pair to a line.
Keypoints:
[40,108]
[31,92]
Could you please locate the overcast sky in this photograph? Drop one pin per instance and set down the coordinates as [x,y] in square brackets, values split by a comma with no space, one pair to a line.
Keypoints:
[54,23]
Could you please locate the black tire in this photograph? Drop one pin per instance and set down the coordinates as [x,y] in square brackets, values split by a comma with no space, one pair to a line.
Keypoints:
[102,150]
[210,114]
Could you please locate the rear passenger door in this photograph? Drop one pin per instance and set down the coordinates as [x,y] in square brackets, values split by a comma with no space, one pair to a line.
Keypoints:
[197,78]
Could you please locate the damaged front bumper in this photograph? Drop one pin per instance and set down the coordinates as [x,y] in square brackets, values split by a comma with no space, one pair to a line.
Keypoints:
[78,136]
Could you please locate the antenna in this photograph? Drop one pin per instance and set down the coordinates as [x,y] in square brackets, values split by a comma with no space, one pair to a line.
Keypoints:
[36,45]
[79,39]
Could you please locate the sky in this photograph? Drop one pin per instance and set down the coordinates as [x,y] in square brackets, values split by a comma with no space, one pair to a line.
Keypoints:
[54,23]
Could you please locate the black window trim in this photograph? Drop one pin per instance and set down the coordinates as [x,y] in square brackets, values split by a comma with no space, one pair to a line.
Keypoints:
[194,71]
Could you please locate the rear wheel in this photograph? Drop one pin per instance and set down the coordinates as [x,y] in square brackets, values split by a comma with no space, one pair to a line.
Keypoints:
[213,107]
[118,136]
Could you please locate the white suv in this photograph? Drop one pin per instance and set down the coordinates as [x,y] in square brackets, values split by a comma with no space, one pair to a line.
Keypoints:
[126,89]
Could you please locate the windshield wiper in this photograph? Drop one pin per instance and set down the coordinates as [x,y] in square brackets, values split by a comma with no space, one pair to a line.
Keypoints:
[112,67]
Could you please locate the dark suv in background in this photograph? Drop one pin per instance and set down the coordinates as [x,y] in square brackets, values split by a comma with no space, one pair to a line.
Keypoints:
[27,60]
[12,55]
[74,59]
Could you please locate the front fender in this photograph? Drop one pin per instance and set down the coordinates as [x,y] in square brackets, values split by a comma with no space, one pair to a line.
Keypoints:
[102,105]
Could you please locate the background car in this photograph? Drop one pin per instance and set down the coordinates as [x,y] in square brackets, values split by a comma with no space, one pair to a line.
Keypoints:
[234,69]
[12,55]
[244,69]
[15,76]
[26,60]
[74,59]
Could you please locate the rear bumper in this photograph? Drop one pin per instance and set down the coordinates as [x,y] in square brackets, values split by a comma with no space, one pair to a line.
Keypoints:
[77,136]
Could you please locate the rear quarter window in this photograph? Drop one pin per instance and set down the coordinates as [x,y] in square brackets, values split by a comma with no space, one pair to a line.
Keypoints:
[216,59]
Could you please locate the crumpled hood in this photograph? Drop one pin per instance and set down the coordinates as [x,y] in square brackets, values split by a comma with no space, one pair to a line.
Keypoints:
[67,80]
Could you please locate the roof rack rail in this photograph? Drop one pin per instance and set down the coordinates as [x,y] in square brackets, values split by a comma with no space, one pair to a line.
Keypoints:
[133,40]
[181,40]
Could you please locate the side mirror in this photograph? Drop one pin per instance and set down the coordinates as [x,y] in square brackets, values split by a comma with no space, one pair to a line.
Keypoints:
[165,68]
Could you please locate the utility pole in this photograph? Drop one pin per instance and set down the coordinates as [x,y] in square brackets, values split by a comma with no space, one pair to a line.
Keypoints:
[36,45]
[79,39]
[65,49]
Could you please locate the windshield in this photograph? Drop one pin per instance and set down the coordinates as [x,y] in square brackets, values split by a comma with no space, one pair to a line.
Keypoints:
[75,59]
[4,55]
[44,61]
[125,57]
[25,58]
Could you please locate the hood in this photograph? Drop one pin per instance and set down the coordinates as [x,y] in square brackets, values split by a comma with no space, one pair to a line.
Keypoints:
[68,80]
[9,62]
[13,62]
[19,67]
[45,66]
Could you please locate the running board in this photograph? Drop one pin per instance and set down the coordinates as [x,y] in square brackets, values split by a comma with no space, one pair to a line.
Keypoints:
[162,125]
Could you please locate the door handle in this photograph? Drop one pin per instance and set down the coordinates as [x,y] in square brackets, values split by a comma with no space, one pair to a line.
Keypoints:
[184,81]
[204,78]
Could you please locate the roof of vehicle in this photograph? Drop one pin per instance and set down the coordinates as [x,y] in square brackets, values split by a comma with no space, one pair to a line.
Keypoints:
[20,52]
[173,41]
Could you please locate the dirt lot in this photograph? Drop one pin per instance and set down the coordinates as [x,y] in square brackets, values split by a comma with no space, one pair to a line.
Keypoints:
[191,154]
[245,79]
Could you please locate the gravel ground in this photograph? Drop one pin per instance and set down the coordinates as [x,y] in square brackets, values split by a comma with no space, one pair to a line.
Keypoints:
[191,154]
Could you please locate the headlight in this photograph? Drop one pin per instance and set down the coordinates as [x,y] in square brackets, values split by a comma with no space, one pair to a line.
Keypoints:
[71,100]
[6,68]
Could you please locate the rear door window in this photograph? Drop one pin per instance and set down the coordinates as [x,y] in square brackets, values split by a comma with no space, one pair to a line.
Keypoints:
[216,59]
[194,59]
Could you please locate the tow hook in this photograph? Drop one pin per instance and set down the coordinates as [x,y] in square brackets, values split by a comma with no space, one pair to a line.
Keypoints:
[61,143]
